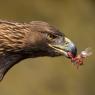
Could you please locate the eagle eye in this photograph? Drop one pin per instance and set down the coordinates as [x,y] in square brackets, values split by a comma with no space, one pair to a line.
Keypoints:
[51,36]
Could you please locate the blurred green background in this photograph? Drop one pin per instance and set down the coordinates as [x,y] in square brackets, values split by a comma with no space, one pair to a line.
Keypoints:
[53,76]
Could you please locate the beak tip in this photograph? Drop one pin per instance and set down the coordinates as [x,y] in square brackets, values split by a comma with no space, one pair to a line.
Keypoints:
[74,51]
[71,47]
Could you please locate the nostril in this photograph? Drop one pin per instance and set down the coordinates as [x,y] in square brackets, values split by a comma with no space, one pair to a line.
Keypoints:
[66,43]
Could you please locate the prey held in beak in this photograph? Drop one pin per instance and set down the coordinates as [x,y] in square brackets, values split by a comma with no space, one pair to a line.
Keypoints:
[70,51]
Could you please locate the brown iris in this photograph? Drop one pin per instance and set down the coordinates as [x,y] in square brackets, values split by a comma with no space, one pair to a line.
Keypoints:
[51,36]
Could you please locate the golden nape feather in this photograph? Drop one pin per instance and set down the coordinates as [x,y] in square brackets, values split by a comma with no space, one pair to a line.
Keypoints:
[13,36]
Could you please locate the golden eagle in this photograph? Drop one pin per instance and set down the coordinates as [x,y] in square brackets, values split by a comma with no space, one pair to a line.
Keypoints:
[19,41]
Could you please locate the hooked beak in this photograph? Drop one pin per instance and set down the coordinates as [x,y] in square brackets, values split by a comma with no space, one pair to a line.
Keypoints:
[65,47]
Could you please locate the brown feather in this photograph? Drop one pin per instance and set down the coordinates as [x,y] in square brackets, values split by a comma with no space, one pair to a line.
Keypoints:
[22,40]
[13,37]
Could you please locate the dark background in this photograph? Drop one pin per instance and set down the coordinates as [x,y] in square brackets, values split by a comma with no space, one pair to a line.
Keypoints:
[53,76]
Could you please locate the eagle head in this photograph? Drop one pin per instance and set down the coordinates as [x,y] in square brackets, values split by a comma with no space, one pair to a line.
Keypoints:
[46,40]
